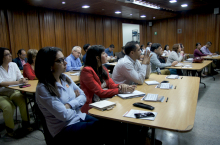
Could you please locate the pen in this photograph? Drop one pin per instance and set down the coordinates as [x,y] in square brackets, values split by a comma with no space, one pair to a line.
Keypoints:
[175,87]
[167,99]
[181,77]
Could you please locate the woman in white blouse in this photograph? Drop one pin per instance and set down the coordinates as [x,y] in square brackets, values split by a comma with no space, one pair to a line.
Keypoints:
[166,50]
[175,55]
[11,75]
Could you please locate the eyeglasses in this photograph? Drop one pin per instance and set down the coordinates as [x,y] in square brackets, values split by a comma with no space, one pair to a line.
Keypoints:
[60,60]
[77,52]
[8,54]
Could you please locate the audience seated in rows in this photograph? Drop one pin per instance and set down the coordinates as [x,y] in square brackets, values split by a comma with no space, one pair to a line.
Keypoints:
[73,60]
[95,80]
[129,70]
[21,59]
[156,65]
[28,71]
[11,75]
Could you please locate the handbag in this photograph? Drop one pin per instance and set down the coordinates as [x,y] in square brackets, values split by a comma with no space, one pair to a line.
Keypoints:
[198,60]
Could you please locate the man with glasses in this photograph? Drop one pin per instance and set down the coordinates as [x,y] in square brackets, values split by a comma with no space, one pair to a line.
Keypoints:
[205,49]
[21,60]
[73,61]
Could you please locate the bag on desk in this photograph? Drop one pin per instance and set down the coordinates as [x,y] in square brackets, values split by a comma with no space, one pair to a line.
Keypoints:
[198,60]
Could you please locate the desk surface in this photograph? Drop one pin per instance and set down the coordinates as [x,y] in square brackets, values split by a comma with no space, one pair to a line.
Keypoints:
[33,83]
[211,58]
[113,63]
[195,66]
[178,114]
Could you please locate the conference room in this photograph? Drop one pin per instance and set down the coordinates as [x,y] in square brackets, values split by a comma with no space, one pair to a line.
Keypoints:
[188,114]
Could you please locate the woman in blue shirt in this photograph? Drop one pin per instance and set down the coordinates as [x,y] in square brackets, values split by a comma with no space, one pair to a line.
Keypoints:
[60,100]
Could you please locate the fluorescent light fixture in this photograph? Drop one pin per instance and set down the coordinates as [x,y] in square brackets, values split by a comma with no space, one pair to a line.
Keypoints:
[63,3]
[184,5]
[85,6]
[143,16]
[172,1]
[144,4]
[118,12]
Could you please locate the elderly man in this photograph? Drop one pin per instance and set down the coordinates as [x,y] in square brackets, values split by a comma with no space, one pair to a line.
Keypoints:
[73,61]
[21,60]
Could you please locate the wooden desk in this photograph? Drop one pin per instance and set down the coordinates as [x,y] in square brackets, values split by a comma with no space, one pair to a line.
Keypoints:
[178,114]
[212,58]
[195,66]
[74,78]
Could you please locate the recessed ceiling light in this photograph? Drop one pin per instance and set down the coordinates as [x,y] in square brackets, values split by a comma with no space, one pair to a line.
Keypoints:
[153,17]
[184,5]
[63,3]
[143,16]
[130,14]
[85,6]
[118,12]
[172,1]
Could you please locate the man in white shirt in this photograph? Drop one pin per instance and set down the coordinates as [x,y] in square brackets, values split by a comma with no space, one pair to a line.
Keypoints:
[129,70]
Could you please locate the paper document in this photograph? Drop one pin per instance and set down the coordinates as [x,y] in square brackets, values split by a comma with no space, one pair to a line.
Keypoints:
[152,82]
[75,74]
[15,85]
[132,95]
[165,85]
[102,105]
[172,77]
[179,64]
[132,112]
[151,97]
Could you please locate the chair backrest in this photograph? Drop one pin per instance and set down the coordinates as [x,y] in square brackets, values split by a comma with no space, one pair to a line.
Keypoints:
[48,137]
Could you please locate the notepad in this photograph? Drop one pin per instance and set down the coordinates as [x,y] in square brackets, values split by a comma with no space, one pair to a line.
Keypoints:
[153,97]
[152,82]
[132,95]
[131,113]
[15,85]
[172,77]
[75,74]
[165,85]
[103,105]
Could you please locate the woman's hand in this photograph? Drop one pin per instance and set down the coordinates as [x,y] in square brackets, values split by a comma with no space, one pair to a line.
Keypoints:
[23,81]
[124,88]
[67,106]
[77,93]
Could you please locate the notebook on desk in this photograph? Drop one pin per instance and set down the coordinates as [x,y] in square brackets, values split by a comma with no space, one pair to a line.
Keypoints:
[172,77]
[153,98]
[152,82]
[102,105]
[132,95]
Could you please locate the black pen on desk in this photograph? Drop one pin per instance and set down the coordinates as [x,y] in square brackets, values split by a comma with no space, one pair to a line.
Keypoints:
[175,87]
[181,77]
[167,99]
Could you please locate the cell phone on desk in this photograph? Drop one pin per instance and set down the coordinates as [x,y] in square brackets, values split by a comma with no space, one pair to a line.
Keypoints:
[144,115]
[24,85]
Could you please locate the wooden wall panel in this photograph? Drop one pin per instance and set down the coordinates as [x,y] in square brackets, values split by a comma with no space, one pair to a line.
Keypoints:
[217,34]
[99,31]
[81,30]
[91,30]
[71,31]
[211,30]
[47,28]
[18,31]
[107,31]
[115,35]
[60,32]
[4,33]
[163,34]
[171,33]
[33,27]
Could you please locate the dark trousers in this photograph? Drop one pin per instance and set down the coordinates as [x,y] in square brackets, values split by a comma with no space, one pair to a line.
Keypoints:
[82,133]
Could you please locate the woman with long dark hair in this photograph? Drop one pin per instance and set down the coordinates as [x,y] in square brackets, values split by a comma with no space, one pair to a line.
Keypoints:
[95,80]
[60,100]
[10,74]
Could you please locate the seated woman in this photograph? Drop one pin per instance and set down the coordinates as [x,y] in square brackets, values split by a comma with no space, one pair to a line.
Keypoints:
[198,53]
[166,51]
[60,100]
[175,55]
[10,74]
[94,78]
[28,68]
[143,49]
